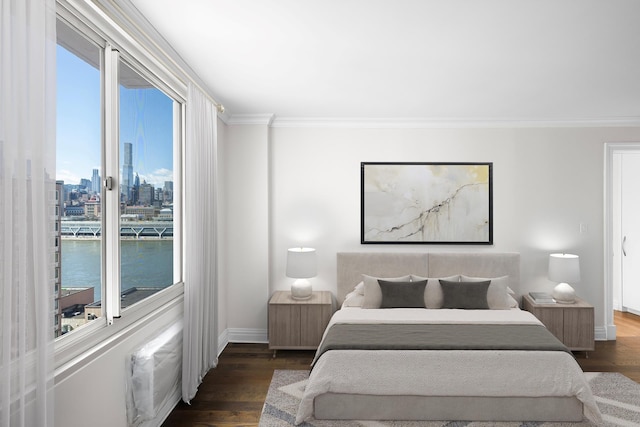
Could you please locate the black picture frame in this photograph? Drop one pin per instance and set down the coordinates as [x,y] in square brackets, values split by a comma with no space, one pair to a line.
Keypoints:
[427,203]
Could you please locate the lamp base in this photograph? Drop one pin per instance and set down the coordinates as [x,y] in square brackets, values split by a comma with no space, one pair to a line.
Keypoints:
[301,289]
[563,293]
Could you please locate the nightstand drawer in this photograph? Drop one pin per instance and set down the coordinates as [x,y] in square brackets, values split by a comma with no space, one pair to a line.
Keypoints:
[573,324]
[298,324]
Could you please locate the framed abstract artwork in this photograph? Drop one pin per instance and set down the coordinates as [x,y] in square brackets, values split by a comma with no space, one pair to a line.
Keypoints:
[427,203]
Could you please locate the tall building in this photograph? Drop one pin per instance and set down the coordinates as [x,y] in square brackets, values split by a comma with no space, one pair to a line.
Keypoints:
[135,191]
[127,171]
[146,196]
[167,193]
[95,182]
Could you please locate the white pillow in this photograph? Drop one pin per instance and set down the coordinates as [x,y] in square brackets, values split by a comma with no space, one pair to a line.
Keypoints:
[497,296]
[512,302]
[359,289]
[372,292]
[433,296]
[353,299]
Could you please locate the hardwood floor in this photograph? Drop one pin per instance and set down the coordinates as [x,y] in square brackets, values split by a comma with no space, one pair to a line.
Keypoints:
[622,355]
[233,393]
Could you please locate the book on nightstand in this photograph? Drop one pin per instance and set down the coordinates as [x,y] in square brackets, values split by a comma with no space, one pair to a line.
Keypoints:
[542,297]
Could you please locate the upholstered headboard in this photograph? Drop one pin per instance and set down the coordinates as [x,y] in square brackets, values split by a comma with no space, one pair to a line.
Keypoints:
[351,265]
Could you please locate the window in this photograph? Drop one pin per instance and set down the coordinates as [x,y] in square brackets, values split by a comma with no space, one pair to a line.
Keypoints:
[78,150]
[116,143]
[146,162]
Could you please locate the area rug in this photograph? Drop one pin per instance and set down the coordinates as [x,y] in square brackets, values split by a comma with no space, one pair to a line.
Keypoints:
[617,396]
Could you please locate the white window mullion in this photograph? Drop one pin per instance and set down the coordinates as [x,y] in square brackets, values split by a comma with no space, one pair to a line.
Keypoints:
[178,149]
[111,230]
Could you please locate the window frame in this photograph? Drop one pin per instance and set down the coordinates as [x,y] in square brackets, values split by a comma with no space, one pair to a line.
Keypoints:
[74,350]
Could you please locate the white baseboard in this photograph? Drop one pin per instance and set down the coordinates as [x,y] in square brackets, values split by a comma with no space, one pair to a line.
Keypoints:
[631,310]
[611,331]
[247,335]
[601,333]
[223,340]
[241,335]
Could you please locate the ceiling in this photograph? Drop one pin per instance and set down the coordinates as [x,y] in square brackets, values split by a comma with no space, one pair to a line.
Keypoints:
[437,60]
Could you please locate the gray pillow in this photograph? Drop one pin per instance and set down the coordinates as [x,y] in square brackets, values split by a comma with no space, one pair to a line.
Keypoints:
[497,294]
[402,294]
[465,295]
[372,293]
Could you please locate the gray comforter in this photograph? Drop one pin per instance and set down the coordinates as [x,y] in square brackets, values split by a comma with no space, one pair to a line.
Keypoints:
[438,337]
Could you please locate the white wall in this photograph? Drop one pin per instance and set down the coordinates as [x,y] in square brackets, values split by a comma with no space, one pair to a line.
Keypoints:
[247,231]
[547,181]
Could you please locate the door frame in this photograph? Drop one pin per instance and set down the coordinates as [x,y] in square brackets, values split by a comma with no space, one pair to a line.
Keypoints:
[610,149]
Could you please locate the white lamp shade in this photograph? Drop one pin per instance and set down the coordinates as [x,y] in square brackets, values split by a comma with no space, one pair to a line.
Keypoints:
[564,268]
[301,263]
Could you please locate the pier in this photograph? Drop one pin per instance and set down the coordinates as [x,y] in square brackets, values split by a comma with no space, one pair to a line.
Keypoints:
[129,229]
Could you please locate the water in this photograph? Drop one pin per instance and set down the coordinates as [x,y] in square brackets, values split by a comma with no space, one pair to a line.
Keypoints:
[146,263]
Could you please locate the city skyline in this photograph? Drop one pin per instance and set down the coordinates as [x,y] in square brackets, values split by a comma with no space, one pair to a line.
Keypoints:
[146,121]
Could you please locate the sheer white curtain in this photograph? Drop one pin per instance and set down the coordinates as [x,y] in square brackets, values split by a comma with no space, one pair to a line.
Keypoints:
[27,209]
[200,339]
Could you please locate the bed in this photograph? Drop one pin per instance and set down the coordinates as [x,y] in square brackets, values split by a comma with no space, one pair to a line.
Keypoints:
[447,358]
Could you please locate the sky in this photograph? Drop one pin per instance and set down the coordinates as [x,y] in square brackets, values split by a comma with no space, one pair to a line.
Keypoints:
[146,121]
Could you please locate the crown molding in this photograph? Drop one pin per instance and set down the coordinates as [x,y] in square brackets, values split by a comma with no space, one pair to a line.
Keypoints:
[251,119]
[273,121]
[417,123]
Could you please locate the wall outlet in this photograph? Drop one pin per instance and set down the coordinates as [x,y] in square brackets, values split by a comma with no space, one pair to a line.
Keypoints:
[584,227]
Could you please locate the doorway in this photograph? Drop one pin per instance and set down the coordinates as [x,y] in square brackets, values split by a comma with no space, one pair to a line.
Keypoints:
[619,161]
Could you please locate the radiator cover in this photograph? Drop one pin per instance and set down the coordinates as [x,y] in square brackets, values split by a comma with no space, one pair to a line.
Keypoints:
[154,372]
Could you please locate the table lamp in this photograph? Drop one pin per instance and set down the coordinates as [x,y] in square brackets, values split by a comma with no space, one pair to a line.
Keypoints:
[564,268]
[301,265]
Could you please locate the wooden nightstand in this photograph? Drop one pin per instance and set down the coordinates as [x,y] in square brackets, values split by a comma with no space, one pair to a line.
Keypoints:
[572,324]
[298,324]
